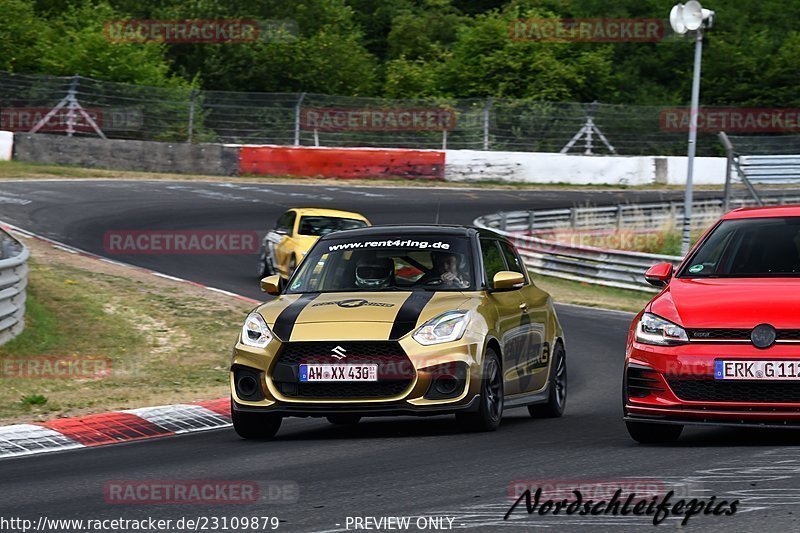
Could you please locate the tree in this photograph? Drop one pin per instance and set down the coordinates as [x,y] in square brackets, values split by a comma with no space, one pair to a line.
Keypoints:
[487,60]
[20,33]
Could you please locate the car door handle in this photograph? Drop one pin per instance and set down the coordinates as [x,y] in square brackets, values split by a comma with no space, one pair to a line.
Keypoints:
[523,307]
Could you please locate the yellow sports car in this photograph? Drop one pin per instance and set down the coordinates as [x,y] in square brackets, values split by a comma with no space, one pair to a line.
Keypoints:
[296,232]
[412,320]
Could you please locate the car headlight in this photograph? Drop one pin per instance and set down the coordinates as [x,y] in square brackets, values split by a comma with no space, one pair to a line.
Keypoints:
[652,329]
[255,331]
[446,327]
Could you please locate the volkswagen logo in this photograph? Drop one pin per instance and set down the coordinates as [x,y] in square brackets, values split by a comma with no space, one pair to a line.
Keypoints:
[763,336]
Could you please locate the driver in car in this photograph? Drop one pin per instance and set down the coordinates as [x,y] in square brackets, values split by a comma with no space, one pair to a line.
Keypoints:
[446,265]
[374,273]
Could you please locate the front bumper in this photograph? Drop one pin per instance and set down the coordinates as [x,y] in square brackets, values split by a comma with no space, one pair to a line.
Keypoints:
[280,392]
[676,385]
[364,410]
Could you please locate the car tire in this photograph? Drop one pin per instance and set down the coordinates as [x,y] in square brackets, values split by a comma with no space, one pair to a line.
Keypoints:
[264,266]
[292,266]
[343,419]
[648,433]
[490,410]
[259,426]
[557,396]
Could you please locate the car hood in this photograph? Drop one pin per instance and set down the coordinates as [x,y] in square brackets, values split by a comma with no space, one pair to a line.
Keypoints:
[303,243]
[730,303]
[355,315]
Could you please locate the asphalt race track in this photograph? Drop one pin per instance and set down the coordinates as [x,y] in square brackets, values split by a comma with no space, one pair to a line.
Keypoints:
[80,213]
[384,467]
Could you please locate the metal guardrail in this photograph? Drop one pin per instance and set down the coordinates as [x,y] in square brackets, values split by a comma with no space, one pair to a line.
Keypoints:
[13,280]
[599,266]
[771,168]
[779,166]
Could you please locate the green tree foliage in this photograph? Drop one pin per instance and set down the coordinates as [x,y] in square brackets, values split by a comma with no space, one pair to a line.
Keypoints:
[19,34]
[69,38]
[487,60]
[419,48]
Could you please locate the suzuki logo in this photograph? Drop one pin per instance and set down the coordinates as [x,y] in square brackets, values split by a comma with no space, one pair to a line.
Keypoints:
[339,353]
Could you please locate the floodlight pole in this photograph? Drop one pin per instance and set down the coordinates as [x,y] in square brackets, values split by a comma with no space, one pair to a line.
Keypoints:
[686,239]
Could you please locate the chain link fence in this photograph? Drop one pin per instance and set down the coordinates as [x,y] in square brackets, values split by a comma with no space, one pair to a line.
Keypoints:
[84,106]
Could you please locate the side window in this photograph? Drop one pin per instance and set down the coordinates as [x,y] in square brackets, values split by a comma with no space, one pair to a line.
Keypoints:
[513,261]
[492,258]
[286,222]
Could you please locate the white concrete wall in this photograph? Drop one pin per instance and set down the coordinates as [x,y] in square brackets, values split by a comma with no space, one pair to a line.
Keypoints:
[544,168]
[6,145]
[707,170]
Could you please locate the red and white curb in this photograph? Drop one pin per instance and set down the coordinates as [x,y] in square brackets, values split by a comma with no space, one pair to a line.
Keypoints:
[113,428]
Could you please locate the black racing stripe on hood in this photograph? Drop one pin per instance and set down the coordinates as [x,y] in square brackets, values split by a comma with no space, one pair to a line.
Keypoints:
[409,313]
[284,324]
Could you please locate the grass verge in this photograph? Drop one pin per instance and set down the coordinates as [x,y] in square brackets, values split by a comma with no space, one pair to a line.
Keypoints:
[133,340]
[573,292]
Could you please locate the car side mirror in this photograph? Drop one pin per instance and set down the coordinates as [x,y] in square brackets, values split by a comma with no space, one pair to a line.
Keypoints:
[659,275]
[271,285]
[506,280]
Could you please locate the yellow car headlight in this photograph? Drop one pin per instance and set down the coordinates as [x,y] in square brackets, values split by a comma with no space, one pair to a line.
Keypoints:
[447,327]
[255,331]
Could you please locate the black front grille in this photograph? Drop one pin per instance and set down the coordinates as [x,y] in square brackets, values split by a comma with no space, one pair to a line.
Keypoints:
[706,390]
[719,334]
[788,335]
[727,334]
[395,371]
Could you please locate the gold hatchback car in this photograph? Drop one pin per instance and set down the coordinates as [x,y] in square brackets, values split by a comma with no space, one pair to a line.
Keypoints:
[400,320]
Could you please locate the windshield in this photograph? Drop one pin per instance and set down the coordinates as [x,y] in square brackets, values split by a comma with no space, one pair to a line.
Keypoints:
[756,247]
[319,226]
[385,264]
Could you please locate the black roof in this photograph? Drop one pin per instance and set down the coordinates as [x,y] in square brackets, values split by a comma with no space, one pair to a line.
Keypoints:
[417,229]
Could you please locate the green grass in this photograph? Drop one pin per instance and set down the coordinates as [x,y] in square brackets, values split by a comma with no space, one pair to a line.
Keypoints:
[573,292]
[22,169]
[41,333]
[34,399]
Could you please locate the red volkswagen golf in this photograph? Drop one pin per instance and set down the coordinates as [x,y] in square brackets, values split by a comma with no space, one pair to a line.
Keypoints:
[721,343]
